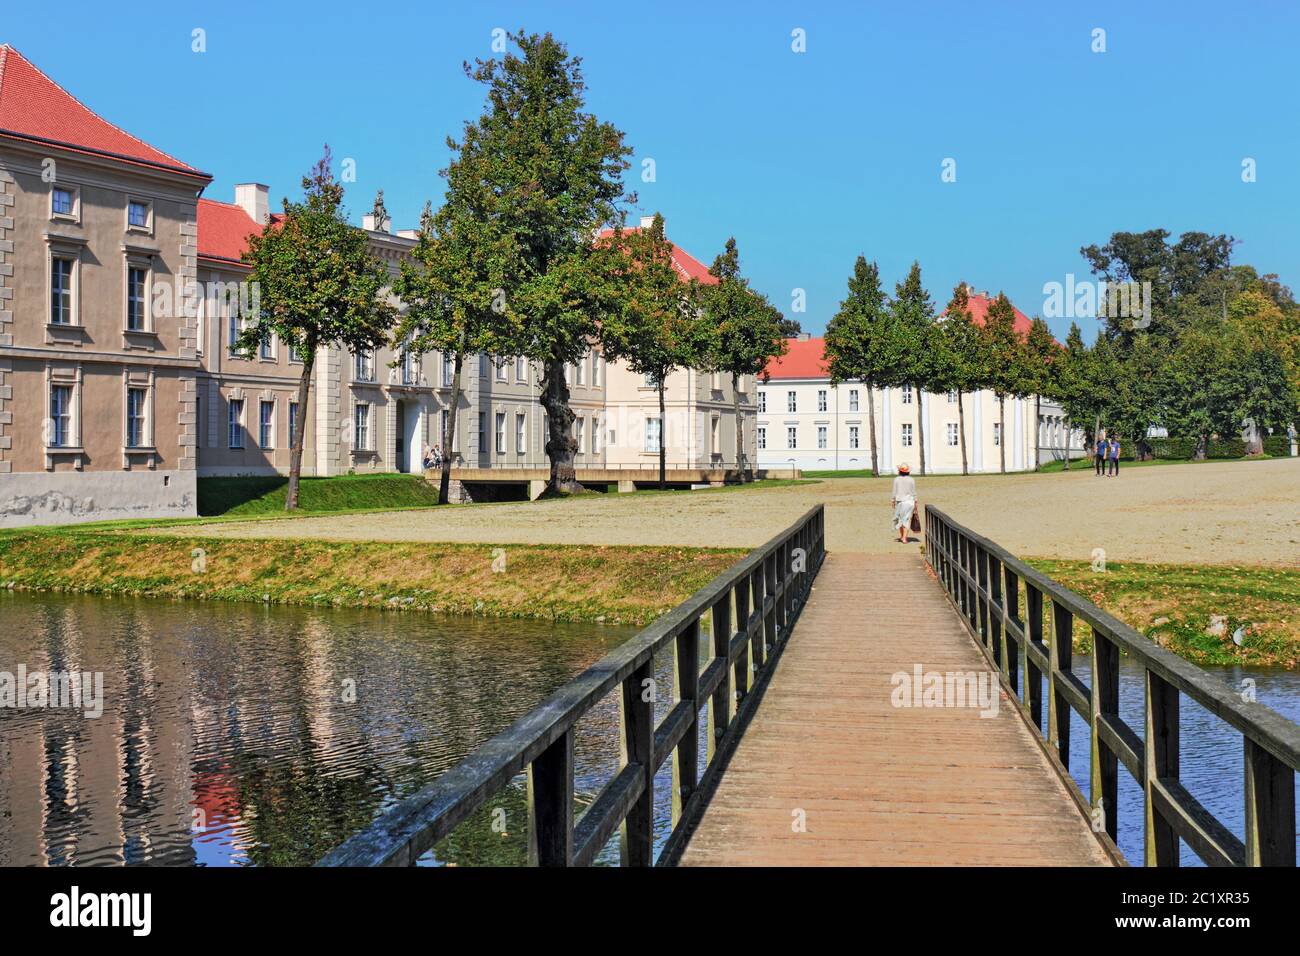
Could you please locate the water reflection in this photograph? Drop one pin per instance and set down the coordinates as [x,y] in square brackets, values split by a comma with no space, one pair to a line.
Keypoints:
[230,734]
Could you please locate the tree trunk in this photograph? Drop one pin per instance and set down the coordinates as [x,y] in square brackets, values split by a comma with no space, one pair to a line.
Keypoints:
[920,423]
[1038,430]
[961,427]
[740,429]
[560,446]
[871,424]
[1002,431]
[871,417]
[663,482]
[449,439]
[1068,432]
[1202,448]
[300,426]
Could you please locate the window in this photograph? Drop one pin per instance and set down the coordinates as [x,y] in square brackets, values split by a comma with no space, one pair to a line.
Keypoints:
[501,431]
[521,440]
[715,381]
[137,435]
[361,422]
[821,436]
[233,326]
[952,396]
[652,434]
[907,394]
[579,425]
[364,366]
[997,433]
[293,423]
[762,401]
[853,399]
[907,434]
[595,436]
[266,347]
[60,416]
[448,369]
[61,272]
[521,370]
[821,399]
[715,435]
[595,373]
[580,371]
[952,434]
[63,202]
[762,437]
[791,402]
[235,422]
[651,380]
[853,437]
[442,429]
[501,371]
[482,432]
[410,368]
[265,425]
[135,298]
[791,437]
[137,214]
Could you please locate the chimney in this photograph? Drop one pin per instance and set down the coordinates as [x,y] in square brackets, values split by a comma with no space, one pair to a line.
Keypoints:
[409,233]
[647,222]
[254,199]
[369,224]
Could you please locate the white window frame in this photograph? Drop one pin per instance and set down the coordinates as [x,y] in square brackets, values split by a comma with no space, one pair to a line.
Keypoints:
[907,394]
[791,436]
[269,423]
[853,400]
[146,417]
[72,416]
[521,433]
[997,434]
[952,434]
[147,228]
[521,370]
[905,435]
[75,215]
[823,436]
[821,400]
[235,423]
[73,291]
[144,265]
[500,433]
[855,440]
[653,435]
[792,401]
[762,437]
[595,371]
[762,400]
[362,426]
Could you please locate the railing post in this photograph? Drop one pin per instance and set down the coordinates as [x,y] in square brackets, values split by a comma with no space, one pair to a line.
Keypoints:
[741,591]
[754,587]
[637,842]
[981,599]
[997,634]
[550,784]
[1011,612]
[1270,809]
[1062,655]
[686,758]
[769,616]
[1103,786]
[720,711]
[1160,761]
[1034,635]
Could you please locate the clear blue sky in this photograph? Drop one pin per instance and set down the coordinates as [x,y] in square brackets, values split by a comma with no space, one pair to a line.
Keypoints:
[807,159]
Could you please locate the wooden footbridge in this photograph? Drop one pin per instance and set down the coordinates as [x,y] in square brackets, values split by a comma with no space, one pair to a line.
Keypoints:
[897,723]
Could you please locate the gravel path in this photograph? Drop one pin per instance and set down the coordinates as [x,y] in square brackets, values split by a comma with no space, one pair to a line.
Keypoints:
[1216,513]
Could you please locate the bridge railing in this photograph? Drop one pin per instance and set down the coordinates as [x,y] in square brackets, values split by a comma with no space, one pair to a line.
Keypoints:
[984,581]
[752,606]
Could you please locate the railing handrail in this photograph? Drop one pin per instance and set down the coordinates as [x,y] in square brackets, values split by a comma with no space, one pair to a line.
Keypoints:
[1272,731]
[406,831]
[982,580]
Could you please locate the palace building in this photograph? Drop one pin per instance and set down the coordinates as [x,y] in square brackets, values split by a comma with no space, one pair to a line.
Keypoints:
[112,407]
[806,422]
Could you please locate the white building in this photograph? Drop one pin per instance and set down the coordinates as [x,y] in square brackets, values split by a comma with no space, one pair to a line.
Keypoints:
[806,422]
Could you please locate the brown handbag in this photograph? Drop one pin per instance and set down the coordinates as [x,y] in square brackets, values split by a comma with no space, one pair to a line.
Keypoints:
[916,522]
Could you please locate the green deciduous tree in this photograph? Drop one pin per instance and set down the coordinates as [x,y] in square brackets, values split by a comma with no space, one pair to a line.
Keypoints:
[860,343]
[555,173]
[319,287]
[1009,374]
[1041,350]
[962,362]
[742,331]
[913,328]
[656,328]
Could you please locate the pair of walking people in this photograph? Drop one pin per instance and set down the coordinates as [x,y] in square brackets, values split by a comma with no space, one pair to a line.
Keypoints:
[1106,456]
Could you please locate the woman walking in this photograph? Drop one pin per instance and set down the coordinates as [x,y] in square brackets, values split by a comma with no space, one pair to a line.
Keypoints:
[904,501]
[1113,454]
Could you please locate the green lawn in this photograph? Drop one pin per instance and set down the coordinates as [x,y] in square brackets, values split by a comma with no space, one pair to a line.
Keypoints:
[1173,605]
[264,494]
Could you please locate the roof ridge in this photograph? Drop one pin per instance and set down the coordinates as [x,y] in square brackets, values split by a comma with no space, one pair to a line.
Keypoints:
[58,86]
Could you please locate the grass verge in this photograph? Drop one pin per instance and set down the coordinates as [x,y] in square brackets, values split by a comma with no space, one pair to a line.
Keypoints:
[1179,606]
[265,494]
[614,585]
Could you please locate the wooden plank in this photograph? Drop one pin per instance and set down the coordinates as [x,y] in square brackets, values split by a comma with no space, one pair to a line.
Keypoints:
[872,783]
[551,785]
[1270,809]
[1161,762]
[638,750]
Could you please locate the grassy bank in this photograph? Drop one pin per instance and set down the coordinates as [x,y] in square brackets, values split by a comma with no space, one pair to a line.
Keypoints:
[264,494]
[1174,605]
[564,583]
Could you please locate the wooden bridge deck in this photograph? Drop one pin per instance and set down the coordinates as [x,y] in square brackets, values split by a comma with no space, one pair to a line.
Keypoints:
[879,784]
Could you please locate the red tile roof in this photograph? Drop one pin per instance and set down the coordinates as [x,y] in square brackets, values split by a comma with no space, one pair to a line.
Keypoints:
[224,229]
[979,308]
[804,358]
[683,261]
[35,108]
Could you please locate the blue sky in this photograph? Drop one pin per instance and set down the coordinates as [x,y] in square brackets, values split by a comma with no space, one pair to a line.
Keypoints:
[808,159]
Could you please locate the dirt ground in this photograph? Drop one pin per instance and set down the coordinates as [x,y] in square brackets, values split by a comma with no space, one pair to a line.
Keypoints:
[1215,513]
